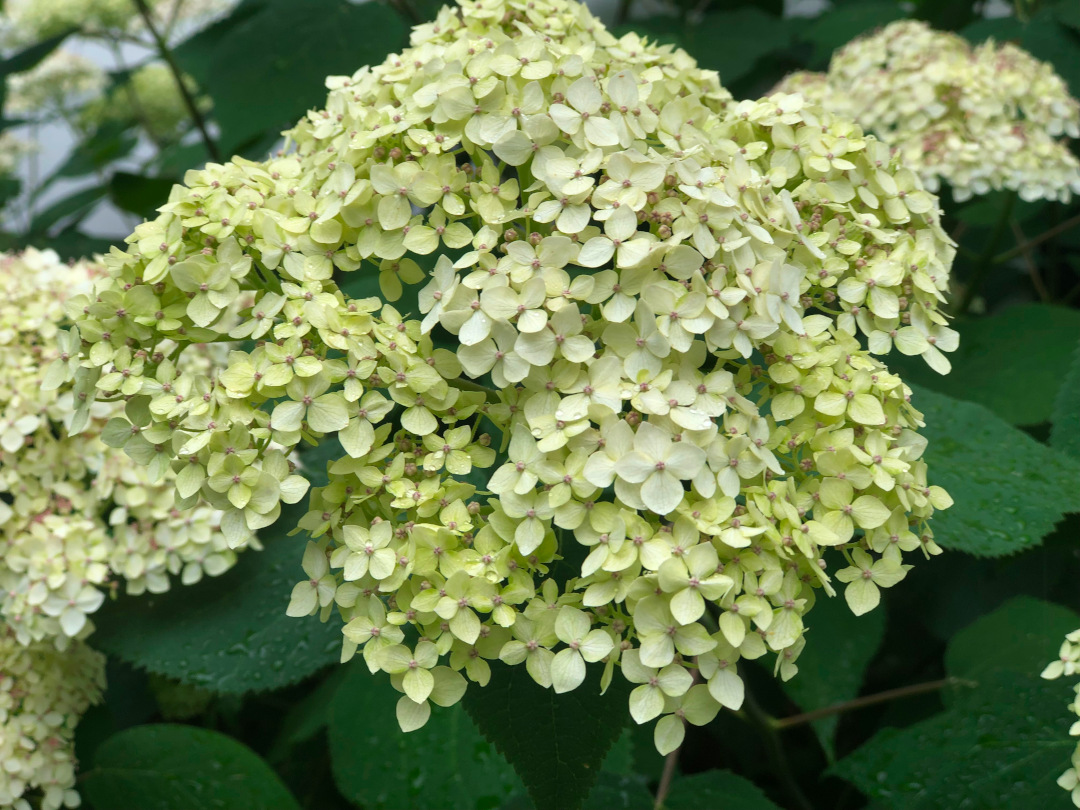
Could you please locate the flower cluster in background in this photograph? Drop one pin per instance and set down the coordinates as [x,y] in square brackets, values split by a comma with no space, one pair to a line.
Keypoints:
[76,518]
[152,98]
[982,117]
[77,90]
[63,79]
[43,693]
[634,425]
[1068,664]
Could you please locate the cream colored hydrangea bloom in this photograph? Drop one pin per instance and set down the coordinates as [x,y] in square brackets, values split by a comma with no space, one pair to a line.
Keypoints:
[33,20]
[43,693]
[619,415]
[77,516]
[59,80]
[984,117]
[1068,665]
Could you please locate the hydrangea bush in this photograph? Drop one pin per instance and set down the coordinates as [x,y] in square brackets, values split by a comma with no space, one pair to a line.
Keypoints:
[609,405]
[982,117]
[77,518]
[1068,664]
[43,693]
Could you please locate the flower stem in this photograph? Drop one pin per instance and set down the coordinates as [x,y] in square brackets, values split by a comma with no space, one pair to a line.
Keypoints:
[1012,253]
[868,700]
[671,763]
[178,76]
[766,726]
[986,258]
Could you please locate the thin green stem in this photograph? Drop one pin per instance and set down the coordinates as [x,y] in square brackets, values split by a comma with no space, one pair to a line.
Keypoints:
[1032,266]
[766,726]
[189,101]
[1060,228]
[133,97]
[868,700]
[986,258]
[407,12]
[671,764]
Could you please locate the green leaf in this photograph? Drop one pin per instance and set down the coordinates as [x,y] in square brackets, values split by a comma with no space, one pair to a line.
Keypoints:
[75,206]
[445,765]
[614,791]
[1000,743]
[228,634]
[831,666]
[1068,13]
[1009,490]
[1058,44]
[195,54]
[986,210]
[1022,635]
[716,789]
[946,14]
[1011,362]
[837,27]
[139,195]
[268,70]
[555,742]
[113,141]
[173,767]
[1065,435]
[9,189]
[741,32]
[31,56]
[665,29]
[307,717]
[71,243]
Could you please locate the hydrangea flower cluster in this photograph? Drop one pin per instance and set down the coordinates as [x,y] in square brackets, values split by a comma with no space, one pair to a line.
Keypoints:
[153,98]
[620,412]
[61,79]
[1068,664]
[28,21]
[75,515]
[34,20]
[12,149]
[986,117]
[43,693]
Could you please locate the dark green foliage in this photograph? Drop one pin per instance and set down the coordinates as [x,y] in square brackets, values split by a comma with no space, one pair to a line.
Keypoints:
[1009,489]
[446,765]
[839,646]
[555,742]
[137,194]
[228,634]
[716,789]
[265,70]
[171,767]
[1003,741]
[1066,432]
[1025,345]
[287,728]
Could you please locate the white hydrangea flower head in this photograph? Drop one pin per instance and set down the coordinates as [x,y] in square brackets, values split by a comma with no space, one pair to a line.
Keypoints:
[1068,664]
[43,693]
[59,80]
[151,97]
[12,150]
[77,516]
[978,117]
[620,412]
[33,20]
